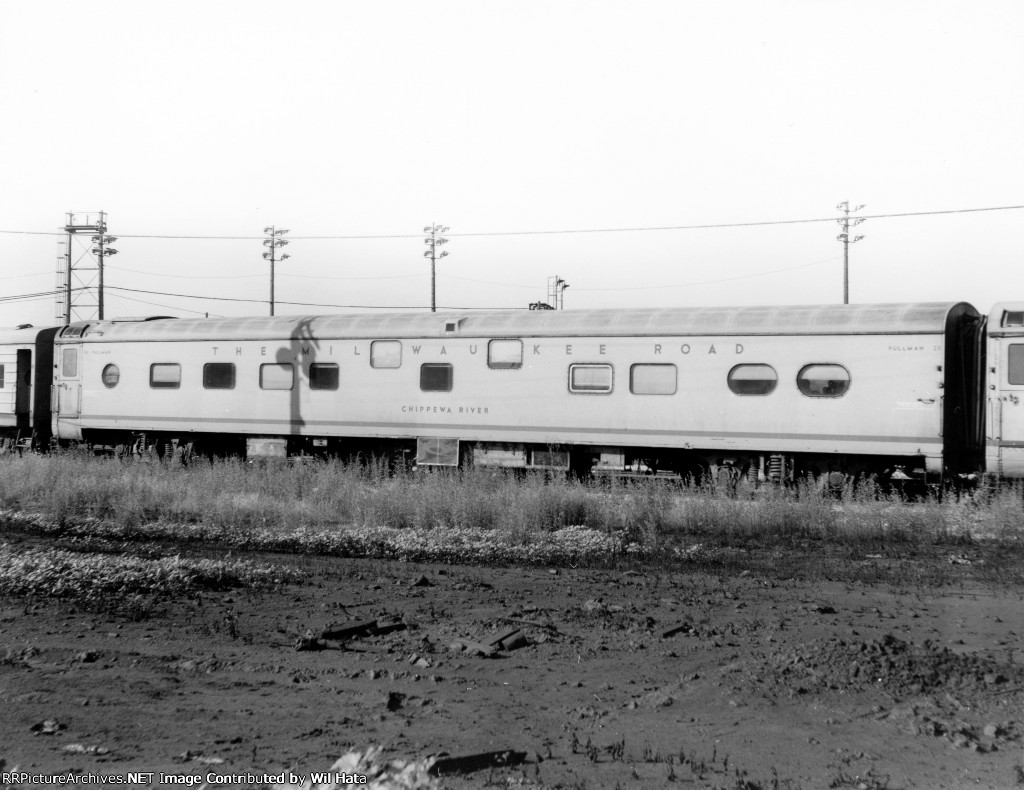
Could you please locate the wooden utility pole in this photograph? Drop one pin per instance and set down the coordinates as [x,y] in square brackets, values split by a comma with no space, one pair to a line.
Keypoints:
[846,223]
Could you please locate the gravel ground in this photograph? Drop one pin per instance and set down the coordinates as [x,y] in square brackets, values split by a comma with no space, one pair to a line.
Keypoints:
[584,678]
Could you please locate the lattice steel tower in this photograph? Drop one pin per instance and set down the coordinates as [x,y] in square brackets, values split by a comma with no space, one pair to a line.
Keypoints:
[80,268]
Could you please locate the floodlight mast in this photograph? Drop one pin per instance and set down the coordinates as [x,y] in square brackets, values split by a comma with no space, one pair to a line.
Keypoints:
[70,269]
[273,240]
[433,241]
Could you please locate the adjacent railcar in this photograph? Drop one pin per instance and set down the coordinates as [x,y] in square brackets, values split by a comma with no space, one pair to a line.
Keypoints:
[1004,385]
[769,392]
[26,373]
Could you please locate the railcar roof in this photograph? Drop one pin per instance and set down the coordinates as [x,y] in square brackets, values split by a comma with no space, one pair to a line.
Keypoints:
[1006,319]
[900,318]
[24,335]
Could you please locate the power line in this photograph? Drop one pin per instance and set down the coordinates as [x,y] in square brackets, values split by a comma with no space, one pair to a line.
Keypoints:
[563,231]
[189,276]
[37,295]
[22,276]
[712,282]
[186,296]
[299,304]
[166,306]
[252,276]
[723,225]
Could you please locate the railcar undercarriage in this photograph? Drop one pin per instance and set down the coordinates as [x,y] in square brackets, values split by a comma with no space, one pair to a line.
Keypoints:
[722,470]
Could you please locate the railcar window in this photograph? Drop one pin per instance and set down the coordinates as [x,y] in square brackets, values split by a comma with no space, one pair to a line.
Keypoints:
[111,375]
[1016,363]
[69,363]
[590,378]
[165,375]
[505,354]
[650,379]
[386,354]
[277,376]
[323,376]
[1013,318]
[436,377]
[753,379]
[219,376]
[1,377]
[823,381]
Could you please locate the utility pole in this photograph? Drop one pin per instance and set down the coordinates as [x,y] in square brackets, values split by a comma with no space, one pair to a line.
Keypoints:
[433,241]
[845,222]
[273,240]
[101,251]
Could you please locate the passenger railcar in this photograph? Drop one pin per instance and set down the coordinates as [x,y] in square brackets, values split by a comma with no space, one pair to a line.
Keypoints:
[26,374]
[771,392]
[1003,383]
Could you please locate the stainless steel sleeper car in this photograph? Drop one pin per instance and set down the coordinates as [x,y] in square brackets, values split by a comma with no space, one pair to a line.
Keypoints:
[908,391]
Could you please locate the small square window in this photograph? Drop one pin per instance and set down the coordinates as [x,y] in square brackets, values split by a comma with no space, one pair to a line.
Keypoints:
[386,354]
[219,376]
[277,376]
[436,377]
[165,375]
[323,376]
[505,354]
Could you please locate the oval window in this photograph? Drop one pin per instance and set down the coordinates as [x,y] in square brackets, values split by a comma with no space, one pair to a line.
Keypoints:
[111,375]
[823,381]
[753,379]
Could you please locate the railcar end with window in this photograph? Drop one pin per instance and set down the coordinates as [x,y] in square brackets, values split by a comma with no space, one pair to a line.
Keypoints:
[26,360]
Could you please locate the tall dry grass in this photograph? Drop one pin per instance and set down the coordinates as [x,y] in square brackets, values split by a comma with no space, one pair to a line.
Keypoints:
[234,496]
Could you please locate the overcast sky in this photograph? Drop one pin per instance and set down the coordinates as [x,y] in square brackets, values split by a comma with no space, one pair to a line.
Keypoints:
[373,119]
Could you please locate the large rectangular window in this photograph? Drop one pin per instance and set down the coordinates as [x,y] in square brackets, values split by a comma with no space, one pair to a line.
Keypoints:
[277,376]
[652,379]
[1015,366]
[436,377]
[219,376]
[386,354]
[165,375]
[590,378]
[323,376]
[505,354]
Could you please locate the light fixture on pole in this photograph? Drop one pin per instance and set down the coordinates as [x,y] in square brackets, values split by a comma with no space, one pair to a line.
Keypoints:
[101,251]
[433,241]
[274,241]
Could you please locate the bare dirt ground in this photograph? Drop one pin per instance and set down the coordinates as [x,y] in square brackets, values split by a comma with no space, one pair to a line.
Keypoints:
[629,678]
